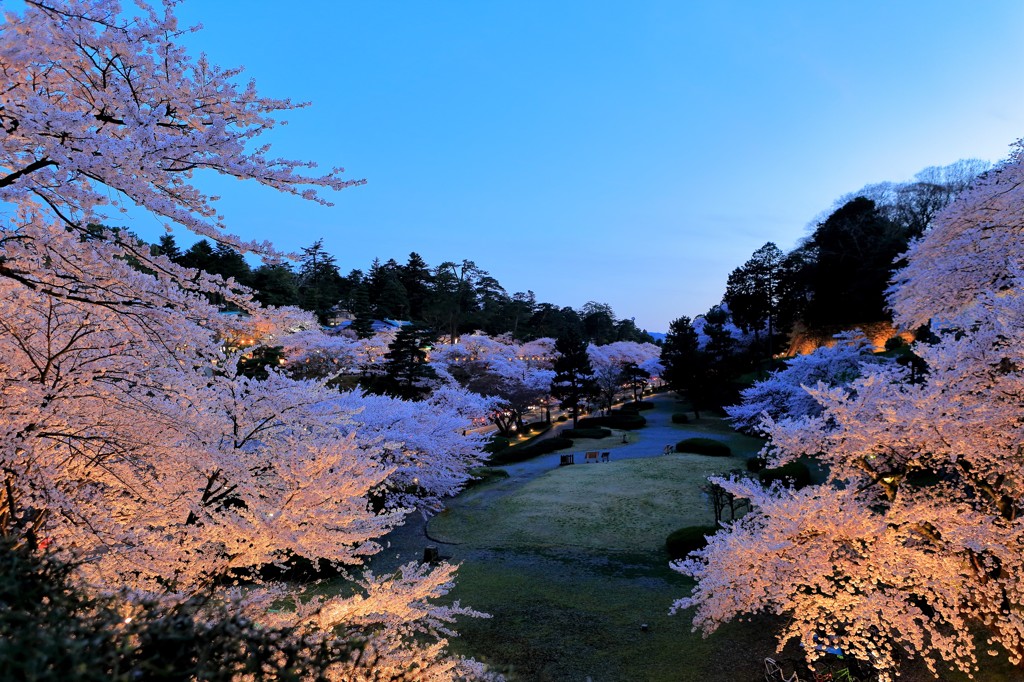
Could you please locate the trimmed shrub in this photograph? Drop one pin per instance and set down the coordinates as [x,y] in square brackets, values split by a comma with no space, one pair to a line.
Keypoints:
[680,418]
[562,418]
[521,453]
[688,539]
[497,443]
[795,474]
[616,420]
[756,464]
[536,427]
[704,446]
[637,407]
[482,475]
[586,433]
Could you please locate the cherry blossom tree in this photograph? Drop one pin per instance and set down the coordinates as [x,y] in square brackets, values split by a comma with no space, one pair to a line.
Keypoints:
[914,546]
[787,392]
[610,359]
[500,369]
[129,443]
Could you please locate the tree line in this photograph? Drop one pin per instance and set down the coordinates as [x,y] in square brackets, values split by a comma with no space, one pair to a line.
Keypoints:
[834,280]
[452,298]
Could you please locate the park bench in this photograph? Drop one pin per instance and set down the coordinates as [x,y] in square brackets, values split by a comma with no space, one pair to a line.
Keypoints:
[606,456]
[591,456]
[567,458]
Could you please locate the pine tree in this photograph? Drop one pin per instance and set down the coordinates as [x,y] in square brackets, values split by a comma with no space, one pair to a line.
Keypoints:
[406,371]
[362,320]
[574,380]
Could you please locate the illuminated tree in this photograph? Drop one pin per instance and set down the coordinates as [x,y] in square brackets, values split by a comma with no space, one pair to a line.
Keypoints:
[129,443]
[786,392]
[499,369]
[914,545]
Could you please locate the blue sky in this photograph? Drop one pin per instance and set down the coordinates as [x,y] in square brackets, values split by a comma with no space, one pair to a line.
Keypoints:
[629,153]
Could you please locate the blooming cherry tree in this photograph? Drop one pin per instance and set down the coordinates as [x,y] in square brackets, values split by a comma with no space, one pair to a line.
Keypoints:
[914,546]
[610,359]
[787,392]
[497,368]
[128,441]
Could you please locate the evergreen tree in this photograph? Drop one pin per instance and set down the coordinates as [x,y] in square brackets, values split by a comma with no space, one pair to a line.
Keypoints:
[574,382]
[416,279]
[753,293]
[856,247]
[229,263]
[392,302]
[636,377]
[406,371]
[598,322]
[275,285]
[518,312]
[199,256]
[166,246]
[362,320]
[680,354]
[319,280]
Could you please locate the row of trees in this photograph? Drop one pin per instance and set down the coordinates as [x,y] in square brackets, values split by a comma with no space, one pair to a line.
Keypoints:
[512,376]
[452,298]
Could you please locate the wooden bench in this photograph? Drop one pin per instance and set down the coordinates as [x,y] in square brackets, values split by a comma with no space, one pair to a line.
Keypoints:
[591,456]
[567,458]
[606,456]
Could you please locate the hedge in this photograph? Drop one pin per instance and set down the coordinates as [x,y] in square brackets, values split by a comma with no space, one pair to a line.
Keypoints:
[795,473]
[617,420]
[688,539]
[586,433]
[481,475]
[680,418]
[637,407]
[704,446]
[524,452]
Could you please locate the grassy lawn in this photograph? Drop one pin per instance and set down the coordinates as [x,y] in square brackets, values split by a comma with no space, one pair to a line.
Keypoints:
[629,505]
[560,617]
[572,563]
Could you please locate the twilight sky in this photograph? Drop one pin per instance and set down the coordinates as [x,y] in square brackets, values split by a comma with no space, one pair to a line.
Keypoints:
[631,153]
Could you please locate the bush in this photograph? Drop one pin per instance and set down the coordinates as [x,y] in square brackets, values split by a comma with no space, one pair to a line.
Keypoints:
[536,427]
[756,464]
[704,446]
[562,418]
[637,407]
[586,433]
[616,420]
[795,474]
[51,630]
[497,444]
[680,418]
[522,453]
[688,539]
[482,475]
[894,342]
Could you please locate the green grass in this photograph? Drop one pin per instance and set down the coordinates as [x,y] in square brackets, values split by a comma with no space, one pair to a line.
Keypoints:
[627,505]
[556,618]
